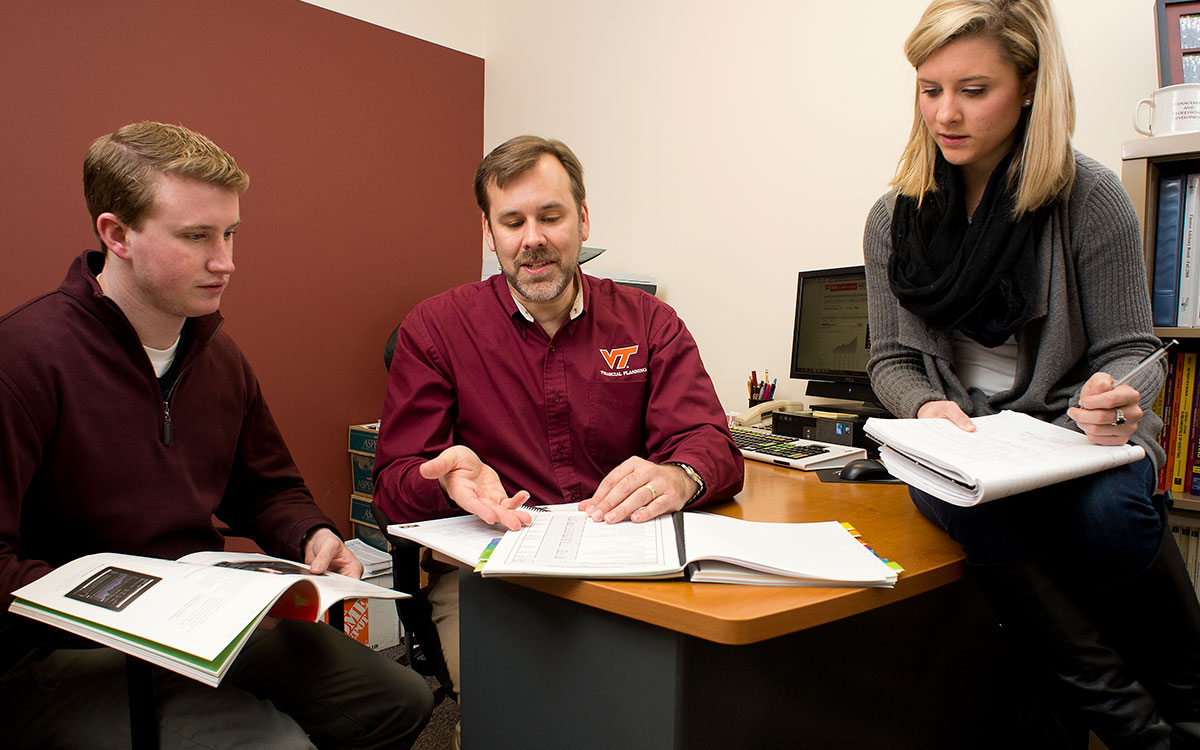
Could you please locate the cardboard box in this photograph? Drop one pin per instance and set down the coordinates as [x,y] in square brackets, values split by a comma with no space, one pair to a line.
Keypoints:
[370,533]
[360,472]
[363,438]
[373,622]
[360,509]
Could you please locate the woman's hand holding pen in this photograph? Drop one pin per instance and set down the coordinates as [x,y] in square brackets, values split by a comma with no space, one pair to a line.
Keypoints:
[1107,415]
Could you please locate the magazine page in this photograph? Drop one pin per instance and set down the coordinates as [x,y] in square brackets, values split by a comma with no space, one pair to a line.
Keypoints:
[300,602]
[196,609]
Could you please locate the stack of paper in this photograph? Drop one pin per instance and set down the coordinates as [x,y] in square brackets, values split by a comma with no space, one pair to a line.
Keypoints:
[1008,453]
[374,560]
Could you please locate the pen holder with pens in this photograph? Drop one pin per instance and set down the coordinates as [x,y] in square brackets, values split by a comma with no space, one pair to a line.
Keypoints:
[760,390]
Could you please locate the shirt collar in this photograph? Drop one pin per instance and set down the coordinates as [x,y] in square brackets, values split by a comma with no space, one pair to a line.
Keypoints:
[577,306]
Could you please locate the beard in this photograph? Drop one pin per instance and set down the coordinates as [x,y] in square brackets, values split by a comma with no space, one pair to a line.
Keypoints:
[546,288]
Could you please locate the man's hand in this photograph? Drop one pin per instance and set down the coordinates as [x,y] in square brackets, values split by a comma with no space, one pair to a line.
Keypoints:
[946,410]
[475,487]
[639,490]
[323,551]
[1097,413]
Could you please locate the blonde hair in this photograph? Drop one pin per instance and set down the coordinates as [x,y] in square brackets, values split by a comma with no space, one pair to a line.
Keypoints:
[119,169]
[1044,165]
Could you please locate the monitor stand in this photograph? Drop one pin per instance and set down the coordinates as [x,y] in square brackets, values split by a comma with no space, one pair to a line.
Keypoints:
[851,398]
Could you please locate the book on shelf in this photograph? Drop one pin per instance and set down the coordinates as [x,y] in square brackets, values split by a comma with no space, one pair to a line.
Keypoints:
[1188,483]
[1189,247]
[1178,405]
[1165,296]
[704,547]
[1175,282]
[1165,407]
[1008,453]
[192,615]
[1181,444]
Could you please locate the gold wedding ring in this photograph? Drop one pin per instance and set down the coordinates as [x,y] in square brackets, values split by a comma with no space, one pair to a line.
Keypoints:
[653,492]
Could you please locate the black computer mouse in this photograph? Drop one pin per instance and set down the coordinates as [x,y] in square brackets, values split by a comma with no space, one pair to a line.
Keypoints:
[863,469]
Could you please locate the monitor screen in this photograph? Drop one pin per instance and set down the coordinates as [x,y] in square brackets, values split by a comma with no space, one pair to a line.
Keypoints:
[831,343]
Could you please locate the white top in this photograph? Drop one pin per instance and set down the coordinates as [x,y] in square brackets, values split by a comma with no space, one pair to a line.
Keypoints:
[161,359]
[989,370]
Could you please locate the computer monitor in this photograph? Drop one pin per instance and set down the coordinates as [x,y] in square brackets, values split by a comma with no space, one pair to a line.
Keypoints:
[831,343]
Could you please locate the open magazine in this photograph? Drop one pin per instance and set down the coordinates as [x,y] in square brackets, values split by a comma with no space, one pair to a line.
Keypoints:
[705,546]
[1008,453]
[191,615]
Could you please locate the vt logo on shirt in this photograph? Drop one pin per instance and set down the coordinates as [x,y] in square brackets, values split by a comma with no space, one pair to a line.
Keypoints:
[618,359]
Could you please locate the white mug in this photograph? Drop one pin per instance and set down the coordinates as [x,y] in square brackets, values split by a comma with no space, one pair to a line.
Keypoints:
[1173,109]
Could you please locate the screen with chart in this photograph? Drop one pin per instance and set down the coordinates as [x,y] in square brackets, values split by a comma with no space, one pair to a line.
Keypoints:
[831,343]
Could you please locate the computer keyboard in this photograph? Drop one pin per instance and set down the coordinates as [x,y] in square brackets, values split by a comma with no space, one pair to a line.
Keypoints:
[774,445]
[793,452]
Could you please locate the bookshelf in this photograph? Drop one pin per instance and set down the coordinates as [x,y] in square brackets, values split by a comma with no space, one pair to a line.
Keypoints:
[1143,161]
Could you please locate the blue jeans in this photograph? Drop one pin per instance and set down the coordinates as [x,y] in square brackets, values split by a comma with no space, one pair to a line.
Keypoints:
[1103,527]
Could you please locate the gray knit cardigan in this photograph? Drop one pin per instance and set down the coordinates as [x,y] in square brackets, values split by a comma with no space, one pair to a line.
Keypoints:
[1091,313]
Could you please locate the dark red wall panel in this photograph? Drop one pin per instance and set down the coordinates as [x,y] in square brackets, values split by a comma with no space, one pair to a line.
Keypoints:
[360,143]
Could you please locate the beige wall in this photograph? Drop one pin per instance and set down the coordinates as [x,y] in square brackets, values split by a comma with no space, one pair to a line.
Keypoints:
[730,145]
[457,24]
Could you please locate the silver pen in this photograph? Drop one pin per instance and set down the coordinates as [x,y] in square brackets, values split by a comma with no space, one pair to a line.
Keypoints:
[1158,354]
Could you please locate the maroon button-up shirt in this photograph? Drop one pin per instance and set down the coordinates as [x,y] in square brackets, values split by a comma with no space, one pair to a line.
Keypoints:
[551,416]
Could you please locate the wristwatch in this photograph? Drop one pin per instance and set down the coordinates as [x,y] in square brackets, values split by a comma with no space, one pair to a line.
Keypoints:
[692,475]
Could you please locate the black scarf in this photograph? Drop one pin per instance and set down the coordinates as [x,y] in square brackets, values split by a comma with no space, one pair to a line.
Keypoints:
[975,276]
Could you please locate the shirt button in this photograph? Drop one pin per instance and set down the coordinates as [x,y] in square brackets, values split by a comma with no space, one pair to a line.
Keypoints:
[553,348]
[557,399]
[562,449]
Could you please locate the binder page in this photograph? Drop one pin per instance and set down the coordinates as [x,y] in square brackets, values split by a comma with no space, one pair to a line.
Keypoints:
[1008,453]
[822,552]
[569,543]
[463,538]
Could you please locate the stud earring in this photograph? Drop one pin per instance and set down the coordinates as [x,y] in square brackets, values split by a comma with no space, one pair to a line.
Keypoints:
[1028,102]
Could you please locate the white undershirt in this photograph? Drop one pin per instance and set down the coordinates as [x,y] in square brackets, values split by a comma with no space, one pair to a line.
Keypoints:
[989,370]
[161,359]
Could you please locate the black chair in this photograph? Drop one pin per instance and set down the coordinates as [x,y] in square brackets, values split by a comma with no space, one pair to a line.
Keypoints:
[422,646]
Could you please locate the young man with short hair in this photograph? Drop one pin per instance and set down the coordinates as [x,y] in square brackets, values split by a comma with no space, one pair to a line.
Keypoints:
[128,419]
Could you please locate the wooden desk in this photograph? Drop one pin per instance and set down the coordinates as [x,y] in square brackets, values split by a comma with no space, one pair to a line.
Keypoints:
[672,664]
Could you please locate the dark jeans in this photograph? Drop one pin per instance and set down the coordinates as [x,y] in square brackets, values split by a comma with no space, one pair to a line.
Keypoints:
[298,686]
[1104,527]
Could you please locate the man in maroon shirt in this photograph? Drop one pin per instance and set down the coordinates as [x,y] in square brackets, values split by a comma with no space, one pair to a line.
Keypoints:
[128,419]
[543,384]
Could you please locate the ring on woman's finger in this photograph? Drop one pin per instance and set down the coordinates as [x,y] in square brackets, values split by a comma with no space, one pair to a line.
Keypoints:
[653,492]
[1120,418]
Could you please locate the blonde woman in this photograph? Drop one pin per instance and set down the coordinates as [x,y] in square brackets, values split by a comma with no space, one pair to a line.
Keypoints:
[1005,272]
